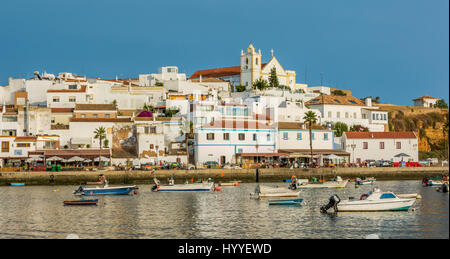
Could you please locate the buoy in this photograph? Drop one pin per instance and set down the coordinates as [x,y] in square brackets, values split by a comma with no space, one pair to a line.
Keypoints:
[135,192]
[236,184]
[218,188]
[221,174]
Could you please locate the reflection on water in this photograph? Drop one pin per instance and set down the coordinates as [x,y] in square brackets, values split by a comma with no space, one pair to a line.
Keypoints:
[38,212]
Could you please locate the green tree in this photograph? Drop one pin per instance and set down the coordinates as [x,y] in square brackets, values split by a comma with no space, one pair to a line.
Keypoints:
[310,118]
[240,88]
[159,84]
[273,79]
[340,128]
[441,104]
[170,112]
[338,93]
[260,84]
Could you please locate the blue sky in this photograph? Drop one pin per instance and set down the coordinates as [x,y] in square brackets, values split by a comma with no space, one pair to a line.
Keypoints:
[395,49]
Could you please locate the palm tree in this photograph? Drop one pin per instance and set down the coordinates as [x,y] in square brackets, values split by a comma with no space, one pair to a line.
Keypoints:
[310,118]
[100,133]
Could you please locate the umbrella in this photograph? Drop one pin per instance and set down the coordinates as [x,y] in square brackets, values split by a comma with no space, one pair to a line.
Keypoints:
[87,160]
[402,155]
[102,158]
[54,158]
[333,156]
[75,159]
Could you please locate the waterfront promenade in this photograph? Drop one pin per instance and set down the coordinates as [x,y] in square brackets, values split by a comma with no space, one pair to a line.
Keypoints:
[218,175]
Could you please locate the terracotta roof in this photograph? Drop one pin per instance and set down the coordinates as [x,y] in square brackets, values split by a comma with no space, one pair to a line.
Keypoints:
[81,90]
[336,100]
[95,107]
[219,72]
[425,97]
[100,120]
[56,110]
[232,124]
[68,153]
[379,135]
[209,80]
[25,139]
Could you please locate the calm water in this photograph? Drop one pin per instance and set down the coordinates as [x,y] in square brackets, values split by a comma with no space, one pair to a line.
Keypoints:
[38,212]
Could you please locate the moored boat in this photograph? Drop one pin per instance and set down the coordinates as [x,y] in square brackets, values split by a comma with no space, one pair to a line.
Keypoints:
[293,202]
[17,184]
[365,181]
[105,189]
[267,192]
[375,200]
[335,183]
[172,187]
[82,202]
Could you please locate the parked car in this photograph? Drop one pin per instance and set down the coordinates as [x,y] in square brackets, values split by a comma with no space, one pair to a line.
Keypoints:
[232,166]
[383,163]
[211,164]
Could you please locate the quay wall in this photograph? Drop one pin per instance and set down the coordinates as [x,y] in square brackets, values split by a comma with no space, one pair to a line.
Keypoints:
[244,175]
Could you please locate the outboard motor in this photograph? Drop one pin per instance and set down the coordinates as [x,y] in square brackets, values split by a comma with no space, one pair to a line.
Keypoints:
[333,202]
[79,190]
[154,187]
[425,181]
[443,187]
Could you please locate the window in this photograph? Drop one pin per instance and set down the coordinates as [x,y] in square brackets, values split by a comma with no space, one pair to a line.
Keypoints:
[107,116]
[241,136]
[365,145]
[373,116]
[387,196]
[5,146]
[377,116]
[226,136]
[255,137]
[210,136]
[285,135]
[256,61]
[299,136]
[338,114]
[329,114]
[325,136]
[151,146]
[398,145]
[313,136]
[56,99]
[95,115]
[364,116]
[240,150]
[72,99]
[354,115]
[381,145]
[268,137]
[73,87]
[346,115]
[23,144]
[384,116]
[83,115]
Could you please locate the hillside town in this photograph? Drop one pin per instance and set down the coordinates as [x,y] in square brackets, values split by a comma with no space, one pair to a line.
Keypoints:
[251,115]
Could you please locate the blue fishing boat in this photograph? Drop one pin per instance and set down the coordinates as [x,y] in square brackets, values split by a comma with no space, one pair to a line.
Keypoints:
[17,184]
[81,202]
[295,202]
[119,190]
[104,189]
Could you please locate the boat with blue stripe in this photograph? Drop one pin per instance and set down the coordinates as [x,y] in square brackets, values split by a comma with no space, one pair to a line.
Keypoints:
[105,189]
[17,184]
[290,202]
[81,202]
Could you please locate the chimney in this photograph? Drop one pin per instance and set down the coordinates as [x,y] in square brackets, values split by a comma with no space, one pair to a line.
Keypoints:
[200,78]
[368,101]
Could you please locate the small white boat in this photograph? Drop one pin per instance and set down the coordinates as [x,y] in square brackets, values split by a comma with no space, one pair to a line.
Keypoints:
[410,195]
[337,183]
[172,187]
[266,192]
[375,200]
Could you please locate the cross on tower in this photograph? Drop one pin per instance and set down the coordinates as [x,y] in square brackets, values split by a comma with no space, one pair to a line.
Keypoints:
[271,51]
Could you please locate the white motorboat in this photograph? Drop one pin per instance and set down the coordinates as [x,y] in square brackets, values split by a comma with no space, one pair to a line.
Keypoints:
[336,183]
[266,192]
[375,200]
[172,187]
[365,181]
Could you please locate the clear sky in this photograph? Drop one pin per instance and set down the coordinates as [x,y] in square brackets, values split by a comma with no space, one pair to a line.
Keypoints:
[395,49]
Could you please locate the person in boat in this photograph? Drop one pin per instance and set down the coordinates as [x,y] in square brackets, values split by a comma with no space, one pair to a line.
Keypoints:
[102,179]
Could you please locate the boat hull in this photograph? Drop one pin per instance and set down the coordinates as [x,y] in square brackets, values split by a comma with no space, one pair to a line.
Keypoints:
[121,190]
[81,202]
[294,202]
[331,184]
[266,192]
[185,187]
[365,205]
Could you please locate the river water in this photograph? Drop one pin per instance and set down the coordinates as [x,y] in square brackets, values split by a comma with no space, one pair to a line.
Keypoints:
[30,212]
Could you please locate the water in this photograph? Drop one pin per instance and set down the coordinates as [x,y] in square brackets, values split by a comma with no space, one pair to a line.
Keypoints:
[38,212]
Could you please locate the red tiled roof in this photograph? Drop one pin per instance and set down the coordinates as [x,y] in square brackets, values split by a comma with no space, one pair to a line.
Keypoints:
[219,72]
[94,107]
[336,100]
[425,97]
[81,90]
[379,135]
[232,124]
[25,139]
[56,110]
[100,120]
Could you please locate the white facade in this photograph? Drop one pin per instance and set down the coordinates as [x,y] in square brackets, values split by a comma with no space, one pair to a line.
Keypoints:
[380,146]
[169,73]
[425,101]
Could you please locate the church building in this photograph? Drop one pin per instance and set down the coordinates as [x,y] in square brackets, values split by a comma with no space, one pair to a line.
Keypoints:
[250,70]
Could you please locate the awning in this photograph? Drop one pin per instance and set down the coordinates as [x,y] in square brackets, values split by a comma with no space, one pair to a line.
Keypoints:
[80,141]
[260,154]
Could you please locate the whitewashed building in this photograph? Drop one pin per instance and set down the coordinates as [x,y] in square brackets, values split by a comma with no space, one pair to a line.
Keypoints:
[380,146]
[425,101]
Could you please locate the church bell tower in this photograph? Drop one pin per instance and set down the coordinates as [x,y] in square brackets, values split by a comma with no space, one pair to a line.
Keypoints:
[250,66]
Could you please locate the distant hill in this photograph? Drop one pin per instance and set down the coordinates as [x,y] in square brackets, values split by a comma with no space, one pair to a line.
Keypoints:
[427,123]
